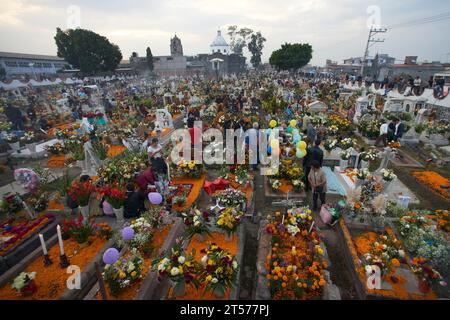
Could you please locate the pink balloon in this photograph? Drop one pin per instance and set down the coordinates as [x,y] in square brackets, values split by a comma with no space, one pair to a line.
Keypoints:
[155,198]
[107,209]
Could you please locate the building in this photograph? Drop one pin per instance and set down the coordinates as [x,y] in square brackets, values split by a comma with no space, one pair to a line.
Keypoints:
[219,61]
[32,65]
[410,68]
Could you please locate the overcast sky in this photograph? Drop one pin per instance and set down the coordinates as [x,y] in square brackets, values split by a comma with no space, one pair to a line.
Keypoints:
[336,29]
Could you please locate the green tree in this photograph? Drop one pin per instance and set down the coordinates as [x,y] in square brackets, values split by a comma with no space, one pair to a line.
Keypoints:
[238,38]
[291,56]
[150,59]
[87,50]
[255,46]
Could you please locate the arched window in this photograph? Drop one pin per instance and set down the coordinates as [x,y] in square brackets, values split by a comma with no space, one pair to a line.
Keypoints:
[218,50]
[408,108]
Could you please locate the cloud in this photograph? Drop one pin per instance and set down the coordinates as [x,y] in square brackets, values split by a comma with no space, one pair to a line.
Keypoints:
[335,28]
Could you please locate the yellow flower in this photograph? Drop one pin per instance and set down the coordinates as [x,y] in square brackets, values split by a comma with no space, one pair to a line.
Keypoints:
[133,274]
[122,275]
[208,278]
[210,262]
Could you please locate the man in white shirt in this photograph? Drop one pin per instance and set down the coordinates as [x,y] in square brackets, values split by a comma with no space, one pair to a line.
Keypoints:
[154,150]
[383,133]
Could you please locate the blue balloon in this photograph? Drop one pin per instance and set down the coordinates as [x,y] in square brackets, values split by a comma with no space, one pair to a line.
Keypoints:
[155,198]
[111,256]
[127,233]
[269,131]
[295,132]
[297,139]
[269,150]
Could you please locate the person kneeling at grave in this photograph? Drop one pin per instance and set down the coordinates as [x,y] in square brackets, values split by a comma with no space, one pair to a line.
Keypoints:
[134,202]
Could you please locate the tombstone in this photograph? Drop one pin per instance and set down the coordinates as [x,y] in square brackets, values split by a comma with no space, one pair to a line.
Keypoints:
[317,107]
[387,155]
[422,116]
[164,118]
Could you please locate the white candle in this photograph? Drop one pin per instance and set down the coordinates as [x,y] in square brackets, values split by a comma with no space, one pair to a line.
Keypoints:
[61,245]
[44,248]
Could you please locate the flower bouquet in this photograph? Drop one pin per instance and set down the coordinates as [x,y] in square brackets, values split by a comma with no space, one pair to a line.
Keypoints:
[347,143]
[191,169]
[113,195]
[241,175]
[384,252]
[388,175]
[81,230]
[219,270]
[231,198]
[80,192]
[56,149]
[196,222]
[11,138]
[275,184]
[394,145]
[332,130]
[29,137]
[299,185]
[180,267]
[329,144]
[369,155]
[426,273]
[362,174]
[100,149]
[229,219]
[11,203]
[25,284]
[345,155]
[123,273]
[142,238]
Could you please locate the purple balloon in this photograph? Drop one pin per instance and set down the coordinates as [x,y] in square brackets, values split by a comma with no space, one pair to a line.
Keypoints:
[127,233]
[155,197]
[108,209]
[111,256]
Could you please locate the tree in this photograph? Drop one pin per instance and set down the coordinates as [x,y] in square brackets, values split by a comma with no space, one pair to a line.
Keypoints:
[150,59]
[238,38]
[255,46]
[87,50]
[291,56]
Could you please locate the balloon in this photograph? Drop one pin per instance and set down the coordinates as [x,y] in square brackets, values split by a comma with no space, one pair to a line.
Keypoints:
[272,123]
[293,123]
[155,197]
[110,256]
[107,208]
[301,153]
[289,130]
[269,131]
[275,143]
[295,132]
[302,145]
[269,150]
[297,138]
[127,233]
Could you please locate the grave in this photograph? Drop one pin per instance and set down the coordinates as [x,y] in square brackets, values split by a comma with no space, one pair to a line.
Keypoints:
[40,150]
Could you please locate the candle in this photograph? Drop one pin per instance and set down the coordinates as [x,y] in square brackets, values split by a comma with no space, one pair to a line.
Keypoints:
[61,245]
[44,248]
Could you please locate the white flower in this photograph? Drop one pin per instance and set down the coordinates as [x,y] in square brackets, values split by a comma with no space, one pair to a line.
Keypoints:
[235,265]
[175,271]
[401,253]
[214,280]
[204,259]
[181,259]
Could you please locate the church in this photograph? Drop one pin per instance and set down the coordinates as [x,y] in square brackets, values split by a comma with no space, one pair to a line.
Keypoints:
[220,61]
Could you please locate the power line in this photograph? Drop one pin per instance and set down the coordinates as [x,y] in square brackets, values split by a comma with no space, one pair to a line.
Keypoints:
[370,42]
[416,22]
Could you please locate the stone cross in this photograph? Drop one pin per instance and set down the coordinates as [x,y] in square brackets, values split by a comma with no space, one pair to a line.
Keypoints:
[388,155]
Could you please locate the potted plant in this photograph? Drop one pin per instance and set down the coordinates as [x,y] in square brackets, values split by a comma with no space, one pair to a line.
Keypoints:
[13,141]
[345,156]
[116,198]
[219,270]
[228,220]
[80,230]
[180,267]
[361,175]
[25,284]
[367,156]
[80,192]
[30,141]
[387,176]
[196,222]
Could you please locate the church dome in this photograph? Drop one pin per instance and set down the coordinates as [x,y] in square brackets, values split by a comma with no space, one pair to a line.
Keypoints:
[219,44]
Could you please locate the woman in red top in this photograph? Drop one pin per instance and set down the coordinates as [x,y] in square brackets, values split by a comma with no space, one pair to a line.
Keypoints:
[145,178]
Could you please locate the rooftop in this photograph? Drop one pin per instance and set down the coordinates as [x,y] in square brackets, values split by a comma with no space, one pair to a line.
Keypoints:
[15,55]
[219,41]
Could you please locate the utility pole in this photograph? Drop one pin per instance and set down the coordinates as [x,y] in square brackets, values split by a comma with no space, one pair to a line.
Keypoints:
[370,41]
